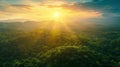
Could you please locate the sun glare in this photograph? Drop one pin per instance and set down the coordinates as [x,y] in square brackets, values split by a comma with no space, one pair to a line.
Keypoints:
[56,14]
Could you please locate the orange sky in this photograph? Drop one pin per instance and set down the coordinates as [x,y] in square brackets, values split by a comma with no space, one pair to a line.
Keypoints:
[45,11]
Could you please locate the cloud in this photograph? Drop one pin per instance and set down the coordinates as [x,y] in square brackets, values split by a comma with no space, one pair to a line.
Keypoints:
[43,10]
[109,8]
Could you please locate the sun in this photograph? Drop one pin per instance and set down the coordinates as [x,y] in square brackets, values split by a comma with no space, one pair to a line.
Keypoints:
[56,14]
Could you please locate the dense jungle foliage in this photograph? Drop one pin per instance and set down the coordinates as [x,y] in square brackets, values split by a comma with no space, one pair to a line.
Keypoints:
[29,45]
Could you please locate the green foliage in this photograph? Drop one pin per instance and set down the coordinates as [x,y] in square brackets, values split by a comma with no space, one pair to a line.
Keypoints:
[73,56]
[36,48]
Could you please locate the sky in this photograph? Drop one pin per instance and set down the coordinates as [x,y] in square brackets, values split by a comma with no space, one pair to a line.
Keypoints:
[100,10]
